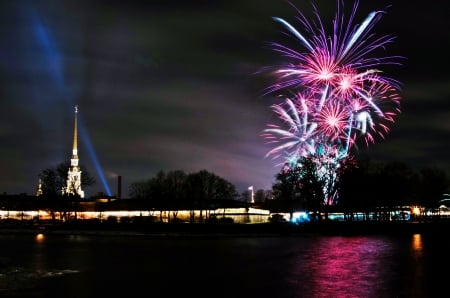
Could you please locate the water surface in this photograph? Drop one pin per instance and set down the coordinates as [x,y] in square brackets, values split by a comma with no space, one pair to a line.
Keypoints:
[282,266]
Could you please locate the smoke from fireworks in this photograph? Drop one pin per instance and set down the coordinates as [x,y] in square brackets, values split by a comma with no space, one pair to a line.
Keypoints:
[331,89]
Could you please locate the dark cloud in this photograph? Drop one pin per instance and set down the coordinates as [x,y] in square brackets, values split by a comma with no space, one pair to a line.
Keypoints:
[168,85]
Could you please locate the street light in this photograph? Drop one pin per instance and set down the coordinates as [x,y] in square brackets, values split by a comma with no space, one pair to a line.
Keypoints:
[253,197]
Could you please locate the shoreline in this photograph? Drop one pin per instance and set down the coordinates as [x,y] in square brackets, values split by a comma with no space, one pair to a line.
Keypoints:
[353,228]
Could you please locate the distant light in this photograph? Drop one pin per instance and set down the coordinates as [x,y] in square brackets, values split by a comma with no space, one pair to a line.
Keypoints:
[40,237]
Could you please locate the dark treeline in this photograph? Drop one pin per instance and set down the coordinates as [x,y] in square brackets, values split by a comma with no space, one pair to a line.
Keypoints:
[178,186]
[177,190]
[167,191]
[360,186]
[388,185]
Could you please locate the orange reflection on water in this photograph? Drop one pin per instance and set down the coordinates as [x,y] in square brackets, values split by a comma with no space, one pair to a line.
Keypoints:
[417,242]
[40,237]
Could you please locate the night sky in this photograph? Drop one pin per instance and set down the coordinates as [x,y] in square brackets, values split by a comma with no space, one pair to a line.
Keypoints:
[173,85]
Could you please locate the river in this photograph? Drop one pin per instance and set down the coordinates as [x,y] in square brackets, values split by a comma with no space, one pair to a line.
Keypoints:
[76,265]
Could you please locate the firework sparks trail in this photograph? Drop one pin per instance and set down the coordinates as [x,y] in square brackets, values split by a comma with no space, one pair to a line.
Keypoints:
[339,94]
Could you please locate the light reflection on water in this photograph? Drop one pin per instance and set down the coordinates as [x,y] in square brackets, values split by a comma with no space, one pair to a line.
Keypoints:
[417,243]
[306,266]
[345,267]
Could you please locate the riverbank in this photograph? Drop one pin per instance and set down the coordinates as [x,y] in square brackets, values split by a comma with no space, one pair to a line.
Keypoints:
[247,230]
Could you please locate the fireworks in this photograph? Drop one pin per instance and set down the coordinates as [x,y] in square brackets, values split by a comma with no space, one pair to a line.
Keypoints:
[332,92]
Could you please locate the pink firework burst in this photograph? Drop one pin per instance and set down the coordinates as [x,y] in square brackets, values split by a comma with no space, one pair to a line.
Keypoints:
[340,93]
[333,120]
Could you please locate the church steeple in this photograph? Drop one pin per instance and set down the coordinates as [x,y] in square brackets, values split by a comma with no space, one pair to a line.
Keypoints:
[75,137]
[74,175]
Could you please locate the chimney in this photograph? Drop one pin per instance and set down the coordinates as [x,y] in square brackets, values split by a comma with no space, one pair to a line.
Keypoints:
[119,187]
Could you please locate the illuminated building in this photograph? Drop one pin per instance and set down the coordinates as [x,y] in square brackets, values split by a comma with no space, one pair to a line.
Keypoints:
[39,191]
[74,174]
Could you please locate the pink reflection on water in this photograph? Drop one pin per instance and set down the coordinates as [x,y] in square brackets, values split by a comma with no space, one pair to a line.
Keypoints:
[345,267]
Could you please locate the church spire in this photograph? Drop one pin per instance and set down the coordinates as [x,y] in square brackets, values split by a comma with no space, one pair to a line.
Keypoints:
[74,174]
[75,135]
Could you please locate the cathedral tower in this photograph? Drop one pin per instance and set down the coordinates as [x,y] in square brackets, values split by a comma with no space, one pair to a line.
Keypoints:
[74,175]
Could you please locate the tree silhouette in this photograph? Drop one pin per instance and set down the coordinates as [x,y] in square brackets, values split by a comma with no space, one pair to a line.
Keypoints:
[434,182]
[175,189]
[53,180]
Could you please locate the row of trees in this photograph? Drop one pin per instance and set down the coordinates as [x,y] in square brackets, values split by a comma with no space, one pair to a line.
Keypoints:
[176,190]
[392,184]
[179,186]
[173,185]
[357,185]
[166,191]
